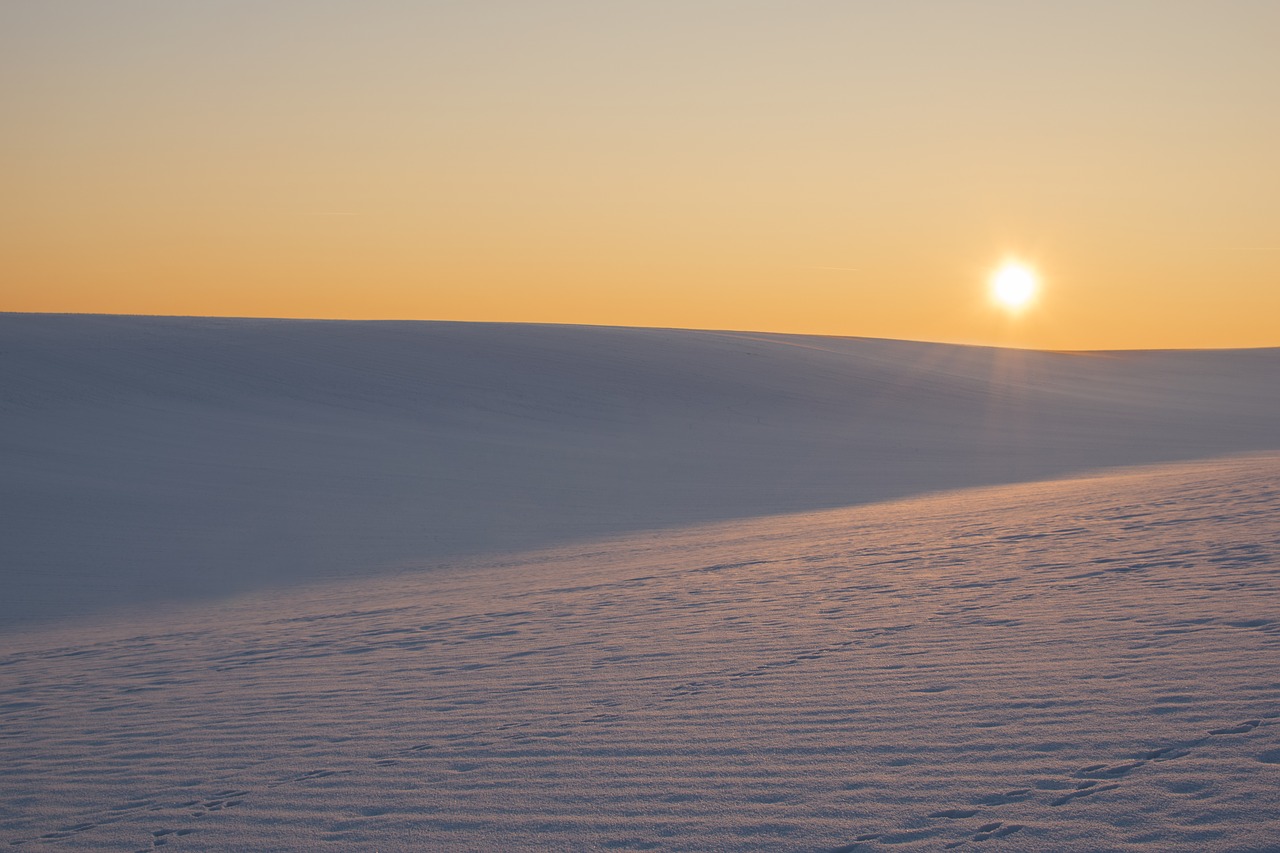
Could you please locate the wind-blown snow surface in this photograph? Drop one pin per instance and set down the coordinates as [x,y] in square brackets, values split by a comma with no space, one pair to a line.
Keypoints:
[161,459]
[1088,664]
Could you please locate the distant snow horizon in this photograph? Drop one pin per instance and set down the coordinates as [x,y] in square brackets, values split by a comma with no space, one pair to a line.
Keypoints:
[661,328]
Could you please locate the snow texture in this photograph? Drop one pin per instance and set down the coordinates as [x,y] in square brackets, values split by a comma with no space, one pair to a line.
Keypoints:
[1083,663]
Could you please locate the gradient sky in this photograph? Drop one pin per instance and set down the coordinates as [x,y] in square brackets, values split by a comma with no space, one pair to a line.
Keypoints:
[851,168]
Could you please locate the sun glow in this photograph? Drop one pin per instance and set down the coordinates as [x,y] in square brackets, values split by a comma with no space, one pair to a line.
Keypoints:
[1014,285]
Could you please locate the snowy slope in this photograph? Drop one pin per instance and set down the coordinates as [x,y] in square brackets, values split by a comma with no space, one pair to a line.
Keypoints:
[1089,664]
[166,459]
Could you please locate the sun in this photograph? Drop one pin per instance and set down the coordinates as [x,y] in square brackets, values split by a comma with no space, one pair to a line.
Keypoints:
[1014,285]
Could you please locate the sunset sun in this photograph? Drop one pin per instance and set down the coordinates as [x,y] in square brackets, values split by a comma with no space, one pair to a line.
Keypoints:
[1014,285]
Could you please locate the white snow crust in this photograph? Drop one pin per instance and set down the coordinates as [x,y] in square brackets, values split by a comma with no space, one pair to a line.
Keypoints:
[1079,665]
[281,585]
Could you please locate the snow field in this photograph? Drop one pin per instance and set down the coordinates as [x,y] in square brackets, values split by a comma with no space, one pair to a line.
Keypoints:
[1083,664]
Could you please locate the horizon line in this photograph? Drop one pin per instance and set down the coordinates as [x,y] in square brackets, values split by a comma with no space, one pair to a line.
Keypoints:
[707,330]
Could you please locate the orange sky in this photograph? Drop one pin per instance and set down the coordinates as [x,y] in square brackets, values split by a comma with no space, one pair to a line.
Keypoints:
[826,167]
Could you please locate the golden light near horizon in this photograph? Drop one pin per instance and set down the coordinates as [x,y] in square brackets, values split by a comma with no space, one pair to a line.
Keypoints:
[651,164]
[1014,285]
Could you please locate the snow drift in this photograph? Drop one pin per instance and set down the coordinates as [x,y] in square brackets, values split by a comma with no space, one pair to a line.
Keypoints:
[1075,666]
[151,459]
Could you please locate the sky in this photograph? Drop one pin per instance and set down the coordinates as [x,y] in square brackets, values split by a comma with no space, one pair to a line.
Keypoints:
[849,168]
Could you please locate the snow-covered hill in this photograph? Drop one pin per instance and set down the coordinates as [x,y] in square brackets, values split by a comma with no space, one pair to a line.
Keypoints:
[164,459]
[1081,665]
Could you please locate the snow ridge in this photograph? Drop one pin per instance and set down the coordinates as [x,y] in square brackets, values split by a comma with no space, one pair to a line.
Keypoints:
[153,460]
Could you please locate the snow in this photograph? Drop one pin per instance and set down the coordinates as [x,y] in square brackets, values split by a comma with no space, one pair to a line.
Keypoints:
[152,460]
[281,586]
